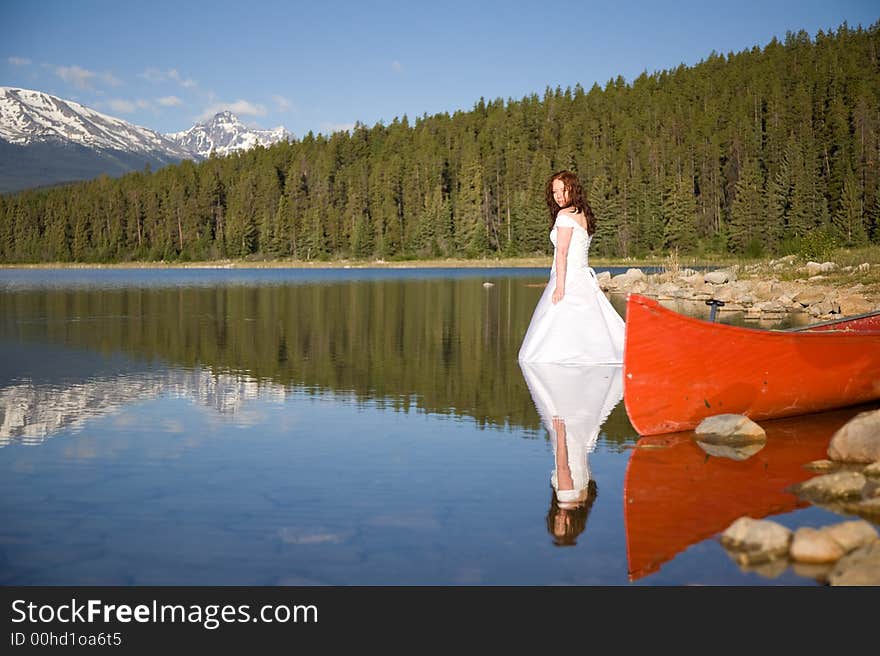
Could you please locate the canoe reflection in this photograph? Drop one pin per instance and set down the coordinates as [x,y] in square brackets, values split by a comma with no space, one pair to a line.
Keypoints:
[573,402]
[677,494]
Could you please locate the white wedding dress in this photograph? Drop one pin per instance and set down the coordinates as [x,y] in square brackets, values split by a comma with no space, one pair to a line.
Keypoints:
[583,328]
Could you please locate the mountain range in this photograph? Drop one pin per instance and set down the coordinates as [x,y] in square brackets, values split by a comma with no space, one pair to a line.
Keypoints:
[46,140]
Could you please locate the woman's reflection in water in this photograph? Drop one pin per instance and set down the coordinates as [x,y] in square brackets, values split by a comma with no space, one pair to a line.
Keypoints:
[573,402]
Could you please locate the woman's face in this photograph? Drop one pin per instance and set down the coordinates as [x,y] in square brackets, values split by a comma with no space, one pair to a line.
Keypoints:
[560,193]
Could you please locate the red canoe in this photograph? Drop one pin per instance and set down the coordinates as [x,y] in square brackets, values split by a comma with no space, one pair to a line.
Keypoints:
[678,370]
[675,495]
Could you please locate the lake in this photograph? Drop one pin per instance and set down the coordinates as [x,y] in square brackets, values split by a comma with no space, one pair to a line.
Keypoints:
[344,427]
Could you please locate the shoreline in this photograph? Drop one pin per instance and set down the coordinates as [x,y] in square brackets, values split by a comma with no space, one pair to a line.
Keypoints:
[788,277]
[449,263]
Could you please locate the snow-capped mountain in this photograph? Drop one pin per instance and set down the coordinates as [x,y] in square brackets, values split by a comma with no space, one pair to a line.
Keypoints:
[223,134]
[47,140]
[28,117]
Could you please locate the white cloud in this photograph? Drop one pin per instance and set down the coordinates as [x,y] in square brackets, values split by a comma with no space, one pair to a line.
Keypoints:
[18,61]
[83,78]
[152,75]
[169,101]
[109,79]
[155,75]
[239,108]
[282,104]
[397,67]
[78,77]
[122,106]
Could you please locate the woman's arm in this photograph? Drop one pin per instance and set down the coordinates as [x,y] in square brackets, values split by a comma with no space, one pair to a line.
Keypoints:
[563,241]
[564,480]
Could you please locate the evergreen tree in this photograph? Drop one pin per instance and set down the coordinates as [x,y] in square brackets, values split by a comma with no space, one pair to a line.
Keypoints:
[678,212]
[471,239]
[849,220]
[748,212]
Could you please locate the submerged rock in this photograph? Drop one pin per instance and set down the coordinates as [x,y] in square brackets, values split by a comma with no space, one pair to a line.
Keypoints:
[831,487]
[872,470]
[861,567]
[821,466]
[738,452]
[828,544]
[752,541]
[811,545]
[816,571]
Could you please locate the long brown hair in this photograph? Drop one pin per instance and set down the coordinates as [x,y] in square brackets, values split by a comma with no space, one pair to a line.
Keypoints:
[576,196]
[576,518]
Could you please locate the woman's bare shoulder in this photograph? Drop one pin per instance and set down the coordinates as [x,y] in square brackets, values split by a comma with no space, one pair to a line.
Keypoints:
[573,214]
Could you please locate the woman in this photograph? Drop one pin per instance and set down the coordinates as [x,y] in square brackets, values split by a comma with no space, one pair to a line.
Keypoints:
[573,323]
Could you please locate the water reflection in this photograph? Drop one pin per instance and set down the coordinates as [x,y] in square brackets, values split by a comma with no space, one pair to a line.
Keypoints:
[677,495]
[441,345]
[573,403]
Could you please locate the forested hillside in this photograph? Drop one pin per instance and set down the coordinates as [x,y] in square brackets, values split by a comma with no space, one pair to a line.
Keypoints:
[743,153]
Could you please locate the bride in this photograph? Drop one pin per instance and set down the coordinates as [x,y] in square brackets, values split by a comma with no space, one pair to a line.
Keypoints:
[573,323]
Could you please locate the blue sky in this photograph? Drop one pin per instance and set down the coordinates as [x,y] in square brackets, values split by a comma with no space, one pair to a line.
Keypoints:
[321,66]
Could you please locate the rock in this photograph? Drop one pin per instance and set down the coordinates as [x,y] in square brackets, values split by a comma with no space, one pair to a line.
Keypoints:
[668,290]
[627,280]
[638,286]
[723,293]
[852,535]
[729,429]
[826,307]
[863,508]
[872,470]
[788,259]
[829,487]
[853,304]
[858,440]
[730,451]
[756,540]
[864,267]
[809,297]
[812,268]
[765,290]
[821,466]
[770,569]
[638,274]
[717,277]
[811,545]
[861,567]
[816,571]
[872,489]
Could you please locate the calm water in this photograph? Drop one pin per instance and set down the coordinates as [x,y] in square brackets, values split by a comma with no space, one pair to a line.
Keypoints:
[276,427]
